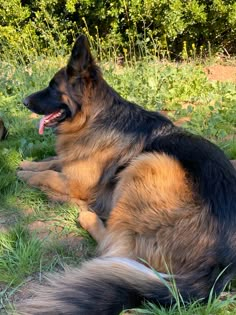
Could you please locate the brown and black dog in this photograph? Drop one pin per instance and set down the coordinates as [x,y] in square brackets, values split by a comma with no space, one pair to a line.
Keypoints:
[169,198]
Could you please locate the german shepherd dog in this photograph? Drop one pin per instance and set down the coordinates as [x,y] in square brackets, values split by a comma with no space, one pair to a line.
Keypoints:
[169,198]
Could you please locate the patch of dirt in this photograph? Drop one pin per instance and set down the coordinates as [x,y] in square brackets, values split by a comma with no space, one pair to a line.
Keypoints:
[221,73]
[52,232]
[28,211]
[43,229]
[26,290]
[181,121]
[7,220]
[71,242]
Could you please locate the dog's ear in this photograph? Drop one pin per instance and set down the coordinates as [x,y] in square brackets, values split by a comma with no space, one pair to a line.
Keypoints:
[81,58]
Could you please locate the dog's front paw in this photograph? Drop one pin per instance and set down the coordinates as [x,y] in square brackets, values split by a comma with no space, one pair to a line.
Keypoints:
[25,175]
[27,165]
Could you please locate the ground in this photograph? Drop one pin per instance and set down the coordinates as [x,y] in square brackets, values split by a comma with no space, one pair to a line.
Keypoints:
[221,73]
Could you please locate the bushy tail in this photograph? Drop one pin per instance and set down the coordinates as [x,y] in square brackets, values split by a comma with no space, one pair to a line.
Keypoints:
[104,286]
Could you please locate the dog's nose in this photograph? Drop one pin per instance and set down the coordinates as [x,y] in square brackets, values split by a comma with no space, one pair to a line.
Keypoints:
[26,102]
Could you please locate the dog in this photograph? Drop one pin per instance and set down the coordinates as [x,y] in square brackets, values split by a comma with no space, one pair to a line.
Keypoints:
[168,198]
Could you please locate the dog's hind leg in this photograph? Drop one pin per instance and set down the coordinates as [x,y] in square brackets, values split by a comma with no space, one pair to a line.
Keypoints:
[153,205]
[91,223]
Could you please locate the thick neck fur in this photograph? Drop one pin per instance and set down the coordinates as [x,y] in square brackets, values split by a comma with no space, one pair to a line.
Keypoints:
[107,121]
[98,96]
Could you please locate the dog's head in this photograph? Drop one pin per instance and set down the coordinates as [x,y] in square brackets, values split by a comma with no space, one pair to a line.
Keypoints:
[63,97]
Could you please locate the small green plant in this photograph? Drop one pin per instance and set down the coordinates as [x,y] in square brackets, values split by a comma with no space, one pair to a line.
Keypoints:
[20,255]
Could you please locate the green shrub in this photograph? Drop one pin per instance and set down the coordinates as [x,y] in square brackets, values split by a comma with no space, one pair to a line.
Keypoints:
[130,27]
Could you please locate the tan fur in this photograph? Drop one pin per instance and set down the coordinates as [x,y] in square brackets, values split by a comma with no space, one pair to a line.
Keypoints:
[152,198]
[91,223]
[51,164]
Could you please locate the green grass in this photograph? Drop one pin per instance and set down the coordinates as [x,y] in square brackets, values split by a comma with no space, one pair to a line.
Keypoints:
[180,89]
[216,307]
[21,255]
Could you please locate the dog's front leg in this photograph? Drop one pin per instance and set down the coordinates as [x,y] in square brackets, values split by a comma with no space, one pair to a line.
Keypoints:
[52,163]
[55,184]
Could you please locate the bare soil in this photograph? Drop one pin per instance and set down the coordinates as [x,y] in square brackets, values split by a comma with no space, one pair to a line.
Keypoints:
[221,73]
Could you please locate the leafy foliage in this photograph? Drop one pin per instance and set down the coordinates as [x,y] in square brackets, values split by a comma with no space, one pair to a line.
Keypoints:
[131,27]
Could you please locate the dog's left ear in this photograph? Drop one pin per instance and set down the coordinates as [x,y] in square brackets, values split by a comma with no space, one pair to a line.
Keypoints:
[81,58]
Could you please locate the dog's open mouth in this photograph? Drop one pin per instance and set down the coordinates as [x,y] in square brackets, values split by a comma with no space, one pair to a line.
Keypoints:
[52,120]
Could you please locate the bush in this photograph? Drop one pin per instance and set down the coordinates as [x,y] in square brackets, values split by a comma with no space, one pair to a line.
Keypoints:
[131,27]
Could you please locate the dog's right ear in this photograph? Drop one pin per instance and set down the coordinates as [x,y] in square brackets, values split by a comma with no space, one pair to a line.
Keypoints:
[81,58]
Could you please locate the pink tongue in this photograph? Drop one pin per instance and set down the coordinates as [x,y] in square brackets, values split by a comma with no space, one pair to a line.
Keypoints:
[41,125]
[42,121]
